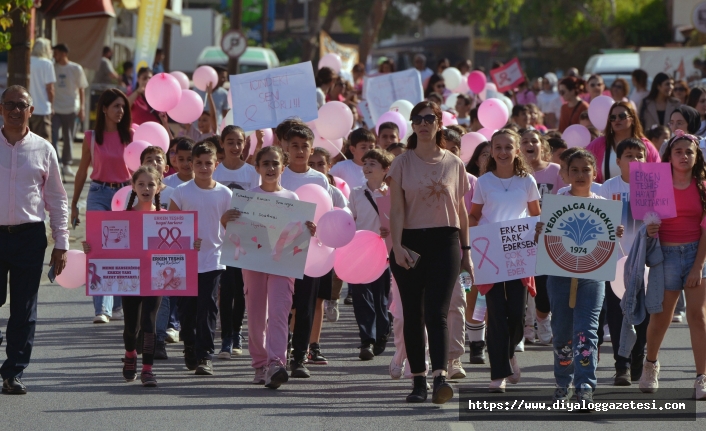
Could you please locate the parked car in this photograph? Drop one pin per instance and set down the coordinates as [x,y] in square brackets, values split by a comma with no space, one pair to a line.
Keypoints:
[612,66]
[255,58]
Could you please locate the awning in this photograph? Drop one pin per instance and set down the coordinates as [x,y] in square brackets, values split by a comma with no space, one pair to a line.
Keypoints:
[76,9]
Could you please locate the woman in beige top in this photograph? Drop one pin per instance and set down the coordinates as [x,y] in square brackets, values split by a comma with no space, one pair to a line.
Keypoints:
[428,219]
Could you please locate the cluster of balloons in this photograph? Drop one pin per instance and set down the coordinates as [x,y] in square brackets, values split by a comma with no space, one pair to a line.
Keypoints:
[577,135]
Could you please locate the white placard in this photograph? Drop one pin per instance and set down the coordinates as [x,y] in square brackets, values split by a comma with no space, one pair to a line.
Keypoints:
[381,91]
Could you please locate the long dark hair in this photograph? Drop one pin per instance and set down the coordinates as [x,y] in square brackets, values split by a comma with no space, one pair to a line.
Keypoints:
[636,131]
[519,167]
[695,95]
[430,85]
[698,172]
[656,82]
[419,107]
[472,166]
[107,98]
[149,170]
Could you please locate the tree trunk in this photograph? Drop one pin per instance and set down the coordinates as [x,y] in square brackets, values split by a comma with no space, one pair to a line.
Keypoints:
[18,57]
[372,28]
[335,8]
[311,43]
[236,23]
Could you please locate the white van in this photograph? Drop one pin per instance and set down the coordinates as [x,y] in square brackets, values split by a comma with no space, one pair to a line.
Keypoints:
[255,58]
[612,65]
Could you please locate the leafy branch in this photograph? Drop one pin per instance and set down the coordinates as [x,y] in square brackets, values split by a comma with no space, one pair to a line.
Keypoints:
[9,9]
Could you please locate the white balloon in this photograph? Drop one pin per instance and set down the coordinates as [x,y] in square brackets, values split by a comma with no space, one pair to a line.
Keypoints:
[451,100]
[452,77]
[404,107]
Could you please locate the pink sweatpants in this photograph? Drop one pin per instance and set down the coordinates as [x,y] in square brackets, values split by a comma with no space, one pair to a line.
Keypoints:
[268,299]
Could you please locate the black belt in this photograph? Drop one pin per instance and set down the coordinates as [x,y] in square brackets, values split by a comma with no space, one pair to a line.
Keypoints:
[112,185]
[17,228]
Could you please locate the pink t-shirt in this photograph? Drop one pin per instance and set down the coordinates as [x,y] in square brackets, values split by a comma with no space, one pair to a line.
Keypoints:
[468,197]
[284,193]
[432,191]
[548,180]
[108,161]
[686,226]
[142,112]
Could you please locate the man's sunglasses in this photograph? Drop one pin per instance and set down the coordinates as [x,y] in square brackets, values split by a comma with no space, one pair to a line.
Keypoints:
[429,119]
[10,106]
[622,116]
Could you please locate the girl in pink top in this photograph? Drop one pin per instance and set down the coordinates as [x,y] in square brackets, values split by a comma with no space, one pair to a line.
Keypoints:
[142,112]
[268,297]
[683,242]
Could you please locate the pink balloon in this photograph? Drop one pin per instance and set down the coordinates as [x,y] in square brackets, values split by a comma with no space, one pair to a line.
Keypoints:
[336,228]
[463,86]
[132,154]
[469,143]
[203,75]
[315,194]
[598,111]
[332,146]
[182,78]
[163,92]
[342,186]
[448,119]
[319,259]
[493,114]
[267,139]
[332,61]
[394,117]
[134,126]
[189,108]
[488,133]
[119,202]
[74,273]
[154,133]
[335,120]
[477,81]
[576,135]
[363,260]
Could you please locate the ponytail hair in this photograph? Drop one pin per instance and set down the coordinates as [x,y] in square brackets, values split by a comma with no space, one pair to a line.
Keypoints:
[519,167]
[157,176]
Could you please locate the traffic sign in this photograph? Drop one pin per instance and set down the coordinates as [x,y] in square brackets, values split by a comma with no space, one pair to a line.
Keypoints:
[234,43]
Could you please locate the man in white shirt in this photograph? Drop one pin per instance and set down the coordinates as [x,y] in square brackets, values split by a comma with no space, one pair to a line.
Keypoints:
[31,185]
[41,87]
[69,102]
[420,63]
[106,74]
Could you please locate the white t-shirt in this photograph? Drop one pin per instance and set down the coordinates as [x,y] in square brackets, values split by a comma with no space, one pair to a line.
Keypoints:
[595,188]
[618,190]
[284,193]
[165,196]
[291,180]
[41,73]
[69,79]
[349,172]
[210,205]
[337,197]
[612,166]
[243,178]
[504,199]
[549,103]
[173,181]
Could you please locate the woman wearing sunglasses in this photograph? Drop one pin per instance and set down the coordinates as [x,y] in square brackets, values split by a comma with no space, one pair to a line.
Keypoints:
[681,91]
[658,106]
[595,86]
[436,85]
[429,221]
[570,89]
[619,91]
[622,124]
[697,100]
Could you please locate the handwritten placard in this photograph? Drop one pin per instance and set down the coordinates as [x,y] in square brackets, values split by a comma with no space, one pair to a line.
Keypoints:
[270,236]
[508,76]
[651,190]
[504,251]
[383,90]
[265,98]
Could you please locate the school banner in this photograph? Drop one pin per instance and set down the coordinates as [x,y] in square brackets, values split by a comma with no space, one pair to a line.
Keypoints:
[508,76]
[270,235]
[381,91]
[136,253]
[149,27]
[652,190]
[348,53]
[579,237]
[504,251]
[265,98]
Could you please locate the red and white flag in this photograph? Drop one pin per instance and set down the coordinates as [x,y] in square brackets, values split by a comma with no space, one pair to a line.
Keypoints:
[509,76]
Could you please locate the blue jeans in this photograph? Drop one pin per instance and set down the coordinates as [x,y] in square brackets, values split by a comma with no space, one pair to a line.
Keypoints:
[99,199]
[166,317]
[575,330]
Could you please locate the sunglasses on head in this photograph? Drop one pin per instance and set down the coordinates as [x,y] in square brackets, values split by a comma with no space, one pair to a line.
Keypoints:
[622,116]
[429,119]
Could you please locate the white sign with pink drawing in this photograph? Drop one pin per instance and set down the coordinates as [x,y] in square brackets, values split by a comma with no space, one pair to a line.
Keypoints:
[270,236]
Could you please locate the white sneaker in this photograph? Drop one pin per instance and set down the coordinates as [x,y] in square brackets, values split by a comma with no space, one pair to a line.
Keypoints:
[544,331]
[101,318]
[700,388]
[516,372]
[497,385]
[606,334]
[331,308]
[648,381]
[530,334]
[67,171]
[117,315]
[520,346]
[172,335]
[260,376]
[456,370]
[396,370]
[678,318]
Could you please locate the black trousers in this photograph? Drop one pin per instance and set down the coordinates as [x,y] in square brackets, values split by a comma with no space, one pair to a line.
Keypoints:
[370,308]
[426,291]
[541,301]
[506,322]
[141,315]
[22,257]
[306,291]
[198,315]
[232,305]
[614,317]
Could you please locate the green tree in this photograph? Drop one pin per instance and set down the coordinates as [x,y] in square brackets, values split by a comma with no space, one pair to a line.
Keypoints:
[10,11]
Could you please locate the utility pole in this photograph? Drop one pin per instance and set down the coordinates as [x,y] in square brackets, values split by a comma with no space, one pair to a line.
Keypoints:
[18,56]
[236,21]
[265,20]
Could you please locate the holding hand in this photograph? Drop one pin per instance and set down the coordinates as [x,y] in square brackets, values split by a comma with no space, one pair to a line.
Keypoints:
[402,258]
[312,227]
[652,230]
[58,260]
[620,231]
[86,247]
[230,215]
[197,244]
[467,265]
[538,230]
[384,232]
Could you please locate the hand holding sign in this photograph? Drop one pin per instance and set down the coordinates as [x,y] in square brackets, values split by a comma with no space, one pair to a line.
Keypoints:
[651,190]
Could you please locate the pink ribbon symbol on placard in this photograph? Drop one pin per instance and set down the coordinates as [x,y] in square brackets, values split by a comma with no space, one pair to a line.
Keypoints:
[502,77]
[288,235]
[250,113]
[106,232]
[165,234]
[239,250]
[93,279]
[483,253]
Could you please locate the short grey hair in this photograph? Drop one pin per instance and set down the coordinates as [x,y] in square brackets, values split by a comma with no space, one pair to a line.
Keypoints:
[422,56]
[17,89]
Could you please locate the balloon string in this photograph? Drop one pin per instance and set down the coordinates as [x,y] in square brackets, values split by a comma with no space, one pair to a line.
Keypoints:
[344,156]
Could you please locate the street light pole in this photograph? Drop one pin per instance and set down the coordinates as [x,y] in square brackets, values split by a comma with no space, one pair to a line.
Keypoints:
[236,19]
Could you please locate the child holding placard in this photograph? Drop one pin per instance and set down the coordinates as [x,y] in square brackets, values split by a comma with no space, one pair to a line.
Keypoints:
[269,296]
[683,242]
[576,329]
[506,192]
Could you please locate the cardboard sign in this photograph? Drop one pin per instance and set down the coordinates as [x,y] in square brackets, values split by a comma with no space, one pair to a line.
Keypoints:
[381,91]
[508,76]
[141,253]
[651,190]
[270,236]
[579,237]
[265,98]
[504,251]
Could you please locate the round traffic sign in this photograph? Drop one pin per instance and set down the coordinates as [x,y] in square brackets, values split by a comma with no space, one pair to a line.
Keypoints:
[234,43]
